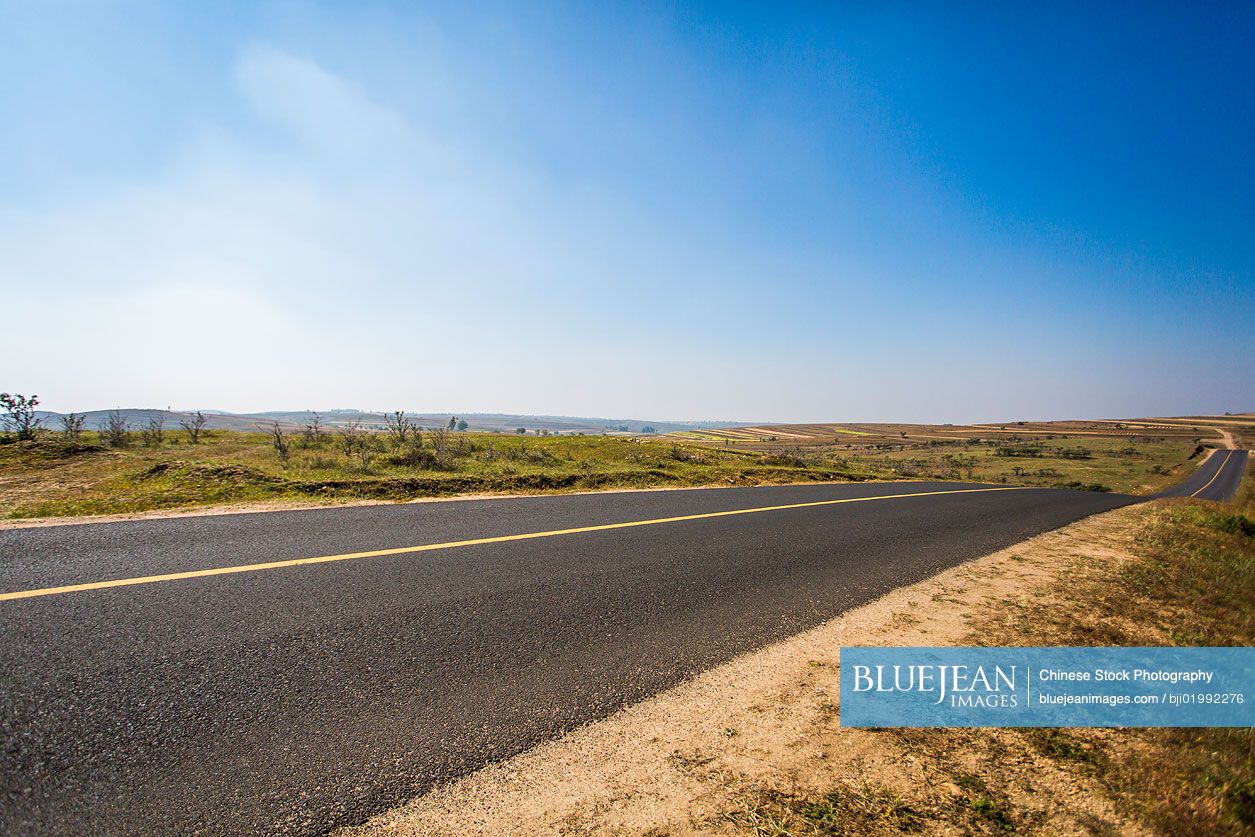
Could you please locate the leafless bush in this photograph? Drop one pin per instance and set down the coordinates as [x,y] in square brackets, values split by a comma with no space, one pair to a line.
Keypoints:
[351,436]
[113,434]
[312,434]
[19,414]
[440,439]
[278,440]
[367,449]
[72,425]
[194,425]
[400,429]
[153,433]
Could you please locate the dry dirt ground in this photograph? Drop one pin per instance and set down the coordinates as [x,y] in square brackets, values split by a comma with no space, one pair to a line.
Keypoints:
[754,746]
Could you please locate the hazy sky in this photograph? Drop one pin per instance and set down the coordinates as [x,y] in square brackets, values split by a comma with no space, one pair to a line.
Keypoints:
[880,212]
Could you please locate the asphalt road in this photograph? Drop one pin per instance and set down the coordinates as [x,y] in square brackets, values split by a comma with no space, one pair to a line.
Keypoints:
[300,697]
[1216,479]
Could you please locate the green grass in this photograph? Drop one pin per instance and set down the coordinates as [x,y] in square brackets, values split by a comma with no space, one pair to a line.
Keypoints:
[49,478]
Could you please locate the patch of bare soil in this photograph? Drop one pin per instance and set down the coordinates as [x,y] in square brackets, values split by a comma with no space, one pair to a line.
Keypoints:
[754,745]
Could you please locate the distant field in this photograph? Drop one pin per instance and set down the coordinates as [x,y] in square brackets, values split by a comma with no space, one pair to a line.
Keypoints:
[52,476]
[1133,455]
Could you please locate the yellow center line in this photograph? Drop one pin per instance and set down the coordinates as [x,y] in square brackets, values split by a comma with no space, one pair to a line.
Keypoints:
[1228,454]
[431,547]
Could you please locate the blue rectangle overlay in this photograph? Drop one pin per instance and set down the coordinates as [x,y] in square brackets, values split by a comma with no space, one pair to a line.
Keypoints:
[1047,687]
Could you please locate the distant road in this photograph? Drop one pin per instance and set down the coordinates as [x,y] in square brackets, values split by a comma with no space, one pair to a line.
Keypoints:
[295,671]
[1216,479]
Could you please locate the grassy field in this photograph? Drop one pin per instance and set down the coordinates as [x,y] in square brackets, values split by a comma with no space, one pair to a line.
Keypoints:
[55,477]
[1142,466]
[50,478]
[1138,456]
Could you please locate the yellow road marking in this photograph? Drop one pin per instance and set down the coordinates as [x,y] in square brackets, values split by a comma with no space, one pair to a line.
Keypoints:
[431,547]
[1228,454]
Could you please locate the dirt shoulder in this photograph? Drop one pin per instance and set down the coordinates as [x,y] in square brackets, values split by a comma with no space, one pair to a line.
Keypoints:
[754,746]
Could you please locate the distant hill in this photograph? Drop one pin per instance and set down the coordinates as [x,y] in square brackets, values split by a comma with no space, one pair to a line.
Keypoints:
[477,422]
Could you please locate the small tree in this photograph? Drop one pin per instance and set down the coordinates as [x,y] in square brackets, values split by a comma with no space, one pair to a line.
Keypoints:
[366,449]
[113,434]
[312,434]
[194,425]
[522,431]
[72,426]
[648,429]
[153,432]
[278,440]
[453,422]
[463,424]
[400,428]
[19,414]
[350,436]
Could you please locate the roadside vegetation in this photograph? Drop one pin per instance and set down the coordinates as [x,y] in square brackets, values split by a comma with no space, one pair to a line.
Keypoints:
[118,470]
[64,468]
[1188,580]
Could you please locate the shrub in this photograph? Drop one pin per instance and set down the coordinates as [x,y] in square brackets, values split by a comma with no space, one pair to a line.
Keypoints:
[72,426]
[114,434]
[19,414]
[194,425]
[153,433]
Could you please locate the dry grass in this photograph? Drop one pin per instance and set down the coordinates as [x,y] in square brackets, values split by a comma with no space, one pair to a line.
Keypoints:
[50,478]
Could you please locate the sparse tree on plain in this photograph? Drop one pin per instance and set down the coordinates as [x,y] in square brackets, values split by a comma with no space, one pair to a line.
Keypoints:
[194,425]
[19,414]
[313,432]
[72,426]
[463,424]
[278,440]
[350,436]
[400,428]
[114,433]
[367,448]
[453,422]
[153,433]
[522,431]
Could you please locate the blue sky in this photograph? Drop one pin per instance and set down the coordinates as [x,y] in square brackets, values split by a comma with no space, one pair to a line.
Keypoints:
[875,212]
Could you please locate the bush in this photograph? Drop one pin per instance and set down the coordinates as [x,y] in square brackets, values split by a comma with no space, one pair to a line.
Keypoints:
[1077,485]
[19,414]
[114,434]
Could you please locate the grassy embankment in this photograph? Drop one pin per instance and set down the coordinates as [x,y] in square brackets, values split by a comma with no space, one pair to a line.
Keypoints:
[51,477]
[1189,581]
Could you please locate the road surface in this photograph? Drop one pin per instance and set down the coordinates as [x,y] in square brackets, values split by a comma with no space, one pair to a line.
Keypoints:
[295,671]
[1216,479]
